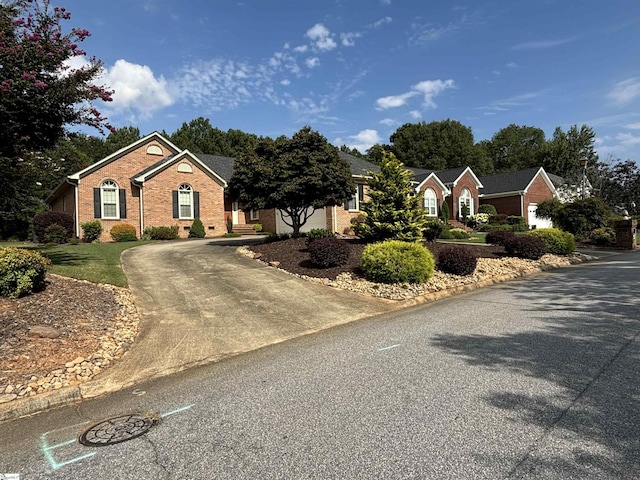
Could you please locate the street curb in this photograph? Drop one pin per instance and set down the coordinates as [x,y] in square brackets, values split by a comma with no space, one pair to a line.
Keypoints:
[38,403]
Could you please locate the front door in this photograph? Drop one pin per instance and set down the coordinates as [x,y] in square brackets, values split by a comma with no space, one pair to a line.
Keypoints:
[235,217]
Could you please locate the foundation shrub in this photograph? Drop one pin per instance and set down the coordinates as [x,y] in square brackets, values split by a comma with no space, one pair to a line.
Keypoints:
[161,233]
[317,234]
[329,252]
[21,272]
[123,232]
[55,234]
[197,229]
[556,241]
[499,237]
[457,260]
[395,261]
[525,246]
[488,209]
[45,219]
[91,231]
[604,237]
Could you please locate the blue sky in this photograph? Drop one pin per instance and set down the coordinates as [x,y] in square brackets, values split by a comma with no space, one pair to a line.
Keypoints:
[356,70]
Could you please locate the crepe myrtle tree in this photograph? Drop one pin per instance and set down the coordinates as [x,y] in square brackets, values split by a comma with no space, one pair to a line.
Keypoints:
[296,175]
[40,95]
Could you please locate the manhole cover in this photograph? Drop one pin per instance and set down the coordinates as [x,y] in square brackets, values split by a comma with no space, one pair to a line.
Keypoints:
[118,429]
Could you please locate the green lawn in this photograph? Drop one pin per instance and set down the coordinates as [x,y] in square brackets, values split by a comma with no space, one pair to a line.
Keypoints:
[477,237]
[94,262]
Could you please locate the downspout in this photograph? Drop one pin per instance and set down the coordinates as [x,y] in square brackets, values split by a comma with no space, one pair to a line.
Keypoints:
[335,218]
[76,207]
[141,211]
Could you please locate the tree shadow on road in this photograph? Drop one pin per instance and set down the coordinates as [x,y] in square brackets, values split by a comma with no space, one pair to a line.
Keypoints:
[589,344]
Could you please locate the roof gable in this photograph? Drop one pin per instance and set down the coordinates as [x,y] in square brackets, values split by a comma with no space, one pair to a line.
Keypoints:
[452,176]
[433,176]
[155,136]
[166,162]
[514,182]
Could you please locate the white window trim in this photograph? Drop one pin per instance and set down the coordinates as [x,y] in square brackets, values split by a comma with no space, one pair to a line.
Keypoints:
[466,200]
[109,185]
[185,187]
[427,202]
[356,197]
[254,215]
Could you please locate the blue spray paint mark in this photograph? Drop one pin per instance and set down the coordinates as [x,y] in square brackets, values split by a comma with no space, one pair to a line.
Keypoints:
[177,410]
[47,449]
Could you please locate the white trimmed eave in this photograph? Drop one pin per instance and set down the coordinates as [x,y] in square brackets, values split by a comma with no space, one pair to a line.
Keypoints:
[92,168]
[173,160]
[502,194]
[445,191]
[473,176]
[546,180]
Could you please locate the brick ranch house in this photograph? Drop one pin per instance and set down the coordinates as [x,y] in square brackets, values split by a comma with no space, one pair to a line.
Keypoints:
[153,183]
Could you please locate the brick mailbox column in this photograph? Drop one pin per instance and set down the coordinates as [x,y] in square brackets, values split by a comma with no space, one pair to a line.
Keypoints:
[626,234]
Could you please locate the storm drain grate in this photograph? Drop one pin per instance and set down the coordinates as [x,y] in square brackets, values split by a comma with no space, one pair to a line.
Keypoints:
[118,429]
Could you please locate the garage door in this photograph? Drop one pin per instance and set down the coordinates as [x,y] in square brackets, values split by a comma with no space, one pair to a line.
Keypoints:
[317,220]
[536,222]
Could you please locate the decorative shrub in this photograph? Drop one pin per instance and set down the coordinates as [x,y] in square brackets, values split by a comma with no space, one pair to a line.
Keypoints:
[557,241]
[445,213]
[91,231]
[499,237]
[55,234]
[433,230]
[478,219]
[498,219]
[317,234]
[197,229]
[21,272]
[525,246]
[457,260]
[604,237]
[45,219]
[488,209]
[329,252]
[395,261]
[257,227]
[229,225]
[464,213]
[518,223]
[161,233]
[123,232]
[458,234]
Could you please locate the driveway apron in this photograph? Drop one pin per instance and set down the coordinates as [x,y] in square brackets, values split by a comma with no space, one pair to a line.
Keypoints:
[200,301]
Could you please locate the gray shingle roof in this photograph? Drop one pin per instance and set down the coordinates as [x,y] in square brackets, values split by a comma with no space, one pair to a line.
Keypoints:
[152,167]
[508,182]
[359,166]
[223,166]
[450,175]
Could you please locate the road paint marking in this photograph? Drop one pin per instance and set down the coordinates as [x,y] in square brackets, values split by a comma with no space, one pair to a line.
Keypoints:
[47,449]
[177,410]
[389,347]
[139,393]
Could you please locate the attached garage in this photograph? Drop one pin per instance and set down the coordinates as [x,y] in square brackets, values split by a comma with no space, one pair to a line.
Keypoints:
[317,220]
[534,221]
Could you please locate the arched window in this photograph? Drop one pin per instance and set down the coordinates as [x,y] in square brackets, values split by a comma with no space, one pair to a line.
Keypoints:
[185,201]
[109,199]
[431,202]
[465,199]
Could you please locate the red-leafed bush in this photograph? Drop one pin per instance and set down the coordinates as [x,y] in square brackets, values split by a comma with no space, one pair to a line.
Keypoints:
[329,252]
[499,237]
[524,246]
[46,219]
[457,260]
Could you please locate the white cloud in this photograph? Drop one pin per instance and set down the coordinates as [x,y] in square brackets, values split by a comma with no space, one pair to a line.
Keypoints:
[362,141]
[136,88]
[633,126]
[415,114]
[512,65]
[382,21]
[625,91]
[389,122]
[312,62]
[321,37]
[394,101]
[348,38]
[301,48]
[628,139]
[285,82]
[507,104]
[385,2]
[541,44]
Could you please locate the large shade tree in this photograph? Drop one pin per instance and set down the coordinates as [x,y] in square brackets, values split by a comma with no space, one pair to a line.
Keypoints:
[296,175]
[517,147]
[40,95]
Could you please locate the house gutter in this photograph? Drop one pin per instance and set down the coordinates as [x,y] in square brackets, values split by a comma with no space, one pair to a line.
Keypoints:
[76,207]
[335,218]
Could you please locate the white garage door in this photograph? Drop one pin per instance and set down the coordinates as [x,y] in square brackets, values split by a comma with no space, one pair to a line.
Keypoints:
[317,220]
[534,221]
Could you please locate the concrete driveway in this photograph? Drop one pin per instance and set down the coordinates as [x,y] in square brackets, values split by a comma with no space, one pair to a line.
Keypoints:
[200,301]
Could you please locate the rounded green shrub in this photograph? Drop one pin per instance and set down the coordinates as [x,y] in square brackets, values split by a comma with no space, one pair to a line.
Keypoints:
[457,260]
[488,209]
[197,229]
[21,272]
[161,233]
[499,237]
[45,219]
[317,234]
[458,234]
[395,261]
[556,241]
[257,227]
[91,231]
[525,246]
[604,237]
[433,230]
[123,232]
[55,234]
[329,252]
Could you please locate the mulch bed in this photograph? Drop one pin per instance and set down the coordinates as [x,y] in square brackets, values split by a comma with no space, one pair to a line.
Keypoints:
[294,256]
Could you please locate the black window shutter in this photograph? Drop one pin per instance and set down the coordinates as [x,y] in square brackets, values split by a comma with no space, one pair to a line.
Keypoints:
[361,193]
[196,204]
[96,203]
[123,202]
[174,197]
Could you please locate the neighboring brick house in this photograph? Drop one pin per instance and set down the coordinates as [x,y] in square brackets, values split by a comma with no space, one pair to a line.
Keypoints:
[434,191]
[518,193]
[463,186]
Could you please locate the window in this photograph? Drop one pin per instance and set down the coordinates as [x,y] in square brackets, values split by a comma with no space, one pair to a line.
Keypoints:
[185,201]
[109,200]
[431,202]
[353,204]
[465,199]
[254,215]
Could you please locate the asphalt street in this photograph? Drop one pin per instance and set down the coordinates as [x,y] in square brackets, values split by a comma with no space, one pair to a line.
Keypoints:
[535,378]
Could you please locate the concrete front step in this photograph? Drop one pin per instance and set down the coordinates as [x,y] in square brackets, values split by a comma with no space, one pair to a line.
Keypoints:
[244,230]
